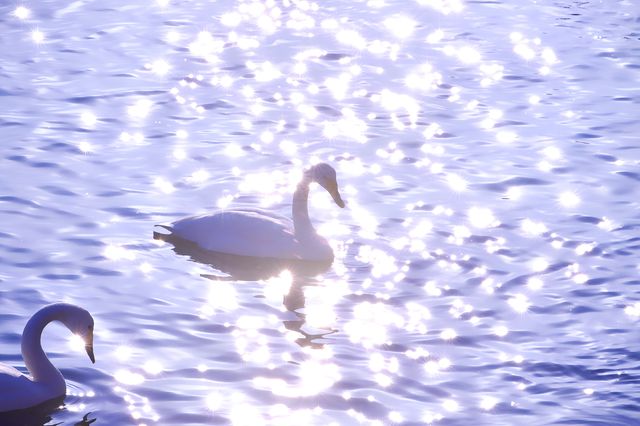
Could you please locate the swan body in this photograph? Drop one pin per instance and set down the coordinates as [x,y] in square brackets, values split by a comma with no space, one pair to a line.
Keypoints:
[19,391]
[258,233]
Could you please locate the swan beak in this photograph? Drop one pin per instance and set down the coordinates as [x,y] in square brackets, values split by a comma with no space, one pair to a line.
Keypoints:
[333,190]
[89,349]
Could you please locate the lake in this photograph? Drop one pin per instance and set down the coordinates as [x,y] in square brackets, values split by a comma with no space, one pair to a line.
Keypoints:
[486,262]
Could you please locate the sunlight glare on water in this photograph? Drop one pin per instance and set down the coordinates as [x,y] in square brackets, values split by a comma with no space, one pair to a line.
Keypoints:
[485,264]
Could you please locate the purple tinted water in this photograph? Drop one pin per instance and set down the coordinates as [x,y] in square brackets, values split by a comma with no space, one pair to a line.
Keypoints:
[487,259]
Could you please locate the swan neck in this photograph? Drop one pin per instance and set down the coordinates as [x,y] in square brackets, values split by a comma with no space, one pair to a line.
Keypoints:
[35,359]
[300,212]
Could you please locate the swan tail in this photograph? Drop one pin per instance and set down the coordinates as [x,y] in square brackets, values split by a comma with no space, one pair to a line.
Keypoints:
[161,235]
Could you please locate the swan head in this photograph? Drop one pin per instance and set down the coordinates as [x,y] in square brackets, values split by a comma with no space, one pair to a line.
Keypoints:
[325,176]
[80,322]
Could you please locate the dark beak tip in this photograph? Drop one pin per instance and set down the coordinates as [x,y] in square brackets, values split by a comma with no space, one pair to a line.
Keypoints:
[91,355]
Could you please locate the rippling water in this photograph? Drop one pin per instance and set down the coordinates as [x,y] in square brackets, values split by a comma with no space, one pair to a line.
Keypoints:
[487,260]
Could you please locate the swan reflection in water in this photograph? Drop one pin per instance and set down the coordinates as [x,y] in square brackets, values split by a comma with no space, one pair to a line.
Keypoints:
[246,268]
[243,268]
[41,415]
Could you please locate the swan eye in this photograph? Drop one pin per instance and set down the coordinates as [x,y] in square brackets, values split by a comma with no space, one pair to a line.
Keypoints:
[91,328]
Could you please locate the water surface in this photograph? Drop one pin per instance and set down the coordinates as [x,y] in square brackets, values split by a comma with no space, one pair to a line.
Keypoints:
[486,263]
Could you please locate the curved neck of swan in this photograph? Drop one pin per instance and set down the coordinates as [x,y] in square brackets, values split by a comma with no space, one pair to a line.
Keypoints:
[300,211]
[35,359]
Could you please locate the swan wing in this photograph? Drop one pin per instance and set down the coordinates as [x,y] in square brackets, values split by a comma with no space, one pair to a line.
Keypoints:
[241,232]
[17,391]
[278,218]
[7,370]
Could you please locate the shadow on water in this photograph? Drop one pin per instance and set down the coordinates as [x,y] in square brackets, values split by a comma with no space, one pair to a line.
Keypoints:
[247,268]
[242,268]
[294,301]
[40,415]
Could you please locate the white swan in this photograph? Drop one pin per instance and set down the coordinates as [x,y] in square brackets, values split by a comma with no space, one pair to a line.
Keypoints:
[257,233]
[18,391]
